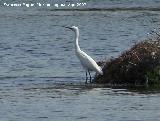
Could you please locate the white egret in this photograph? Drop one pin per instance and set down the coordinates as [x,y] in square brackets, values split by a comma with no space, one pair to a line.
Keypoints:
[87,62]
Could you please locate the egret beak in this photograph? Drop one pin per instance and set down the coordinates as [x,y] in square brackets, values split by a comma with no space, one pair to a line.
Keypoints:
[68,27]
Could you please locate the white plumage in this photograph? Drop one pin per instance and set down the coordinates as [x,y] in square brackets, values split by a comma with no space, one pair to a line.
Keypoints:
[87,62]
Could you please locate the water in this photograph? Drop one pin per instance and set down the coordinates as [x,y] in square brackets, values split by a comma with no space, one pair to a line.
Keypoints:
[42,80]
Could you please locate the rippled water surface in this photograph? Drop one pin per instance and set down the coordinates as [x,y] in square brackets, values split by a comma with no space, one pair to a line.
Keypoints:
[42,80]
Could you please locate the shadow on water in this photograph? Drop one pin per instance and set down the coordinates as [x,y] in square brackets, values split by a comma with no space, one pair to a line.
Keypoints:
[143,89]
[54,85]
[80,87]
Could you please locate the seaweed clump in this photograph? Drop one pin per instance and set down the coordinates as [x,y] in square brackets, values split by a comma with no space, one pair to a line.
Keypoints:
[139,65]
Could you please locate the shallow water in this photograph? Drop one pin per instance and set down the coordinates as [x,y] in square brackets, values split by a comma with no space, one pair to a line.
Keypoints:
[41,78]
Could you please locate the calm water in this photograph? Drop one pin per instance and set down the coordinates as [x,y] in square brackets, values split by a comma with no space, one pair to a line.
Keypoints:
[42,80]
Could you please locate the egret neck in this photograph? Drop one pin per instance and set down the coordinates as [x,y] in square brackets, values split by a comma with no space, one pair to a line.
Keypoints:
[76,42]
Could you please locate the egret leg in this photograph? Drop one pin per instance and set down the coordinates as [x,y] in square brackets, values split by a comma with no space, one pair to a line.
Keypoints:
[90,76]
[86,77]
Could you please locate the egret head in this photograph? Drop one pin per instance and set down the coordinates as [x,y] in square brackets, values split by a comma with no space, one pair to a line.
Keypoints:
[73,28]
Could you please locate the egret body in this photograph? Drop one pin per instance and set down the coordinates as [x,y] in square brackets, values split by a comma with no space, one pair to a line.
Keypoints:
[87,62]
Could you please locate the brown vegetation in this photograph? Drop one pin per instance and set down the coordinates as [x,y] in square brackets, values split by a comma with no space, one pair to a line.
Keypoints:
[132,66]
